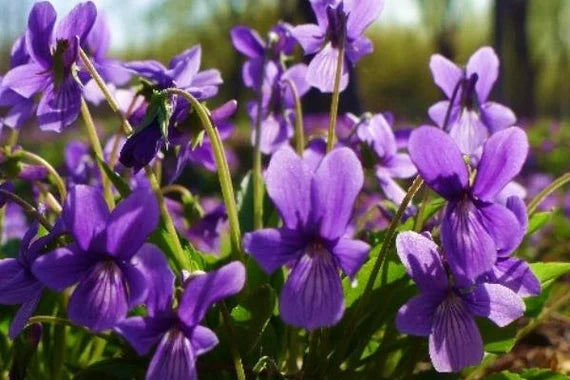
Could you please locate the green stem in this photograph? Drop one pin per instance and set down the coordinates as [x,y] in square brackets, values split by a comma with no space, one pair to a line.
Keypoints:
[238,365]
[49,198]
[182,259]
[419,221]
[223,169]
[258,190]
[96,145]
[58,181]
[106,93]
[331,137]
[556,184]
[13,139]
[62,321]
[184,193]
[28,208]
[299,131]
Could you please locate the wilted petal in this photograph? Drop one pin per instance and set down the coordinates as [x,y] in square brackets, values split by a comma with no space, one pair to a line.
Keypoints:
[361,13]
[420,256]
[205,290]
[85,214]
[174,359]
[322,70]
[439,161]
[59,107]
[351,254]
[503,226]
[203,340]
[23,315]
[39,33]
[160,279]
[497,117]
[446,74]
[485,63]
[100,300]
[131,222]
[143,332]
[336,183]
[496,302]
[247,41]
[288,182]
[273,248]
[415,317]
[63,267]
[17,284]
[469,247]
[455,341]
[312,296]
[516,275]
[26,80]
[78,22]
[309,36]
[503,157]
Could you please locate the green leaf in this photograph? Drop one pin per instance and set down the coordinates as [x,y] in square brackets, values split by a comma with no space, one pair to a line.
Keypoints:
[548,272]
[198,140]
[538,220]
[504,375]
[120,184]
[497,339]
[244,199]
[113,369]
[25,347]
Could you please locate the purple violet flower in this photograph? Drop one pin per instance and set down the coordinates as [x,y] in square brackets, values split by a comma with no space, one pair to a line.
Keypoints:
[79,164]
[316,207]
[445,313]
[52,69]
[21,109]
[15,223]
[179,335]
[474,227]
[18,285]
[109,260]
[472,117]
[375,131]
[338,22]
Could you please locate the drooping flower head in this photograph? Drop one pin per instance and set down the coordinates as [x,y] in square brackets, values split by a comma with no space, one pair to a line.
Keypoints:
[108,260]
[472,118]
[375,131]
[179,335]
[315,203]
[338,22]
[445,313]
[52,68]
[474,228]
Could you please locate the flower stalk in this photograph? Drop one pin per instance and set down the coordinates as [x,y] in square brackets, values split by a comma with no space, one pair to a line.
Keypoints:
[299,131]
[540,197]
[331,136]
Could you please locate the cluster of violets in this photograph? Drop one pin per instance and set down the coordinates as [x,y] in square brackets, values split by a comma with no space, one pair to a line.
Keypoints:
[469,158]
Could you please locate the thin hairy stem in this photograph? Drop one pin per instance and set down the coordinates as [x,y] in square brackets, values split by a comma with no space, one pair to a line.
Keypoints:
[34,158]
[28,208]
[331,136]
[540,197]
[299,131]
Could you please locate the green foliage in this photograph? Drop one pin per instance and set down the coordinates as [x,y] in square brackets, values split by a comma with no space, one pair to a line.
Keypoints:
[538,220]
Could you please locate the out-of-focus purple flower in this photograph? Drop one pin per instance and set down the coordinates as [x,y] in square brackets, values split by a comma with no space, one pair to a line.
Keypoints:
[18,285]
[52,69]
[109,259]
[375,131]
[248,42]
[97,46]
[5,186]
[21,109]
[472,117]
[179,335]
[278,115]
[203,154]
[79,164]
[535,184]
[15,224]
[445,313]
[338,22]
[474,229]
[182,72]
[316,207]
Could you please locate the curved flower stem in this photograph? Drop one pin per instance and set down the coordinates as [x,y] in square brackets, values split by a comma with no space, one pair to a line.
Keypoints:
[106,93]
[96,145]
[28,208]
[184,193]
[117,136]
[557,183]
[299,131]
[62,321]
[416,185]
[182,259]
[223,169]
[58,181]
[331,137]
[238,365]
[49,198]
